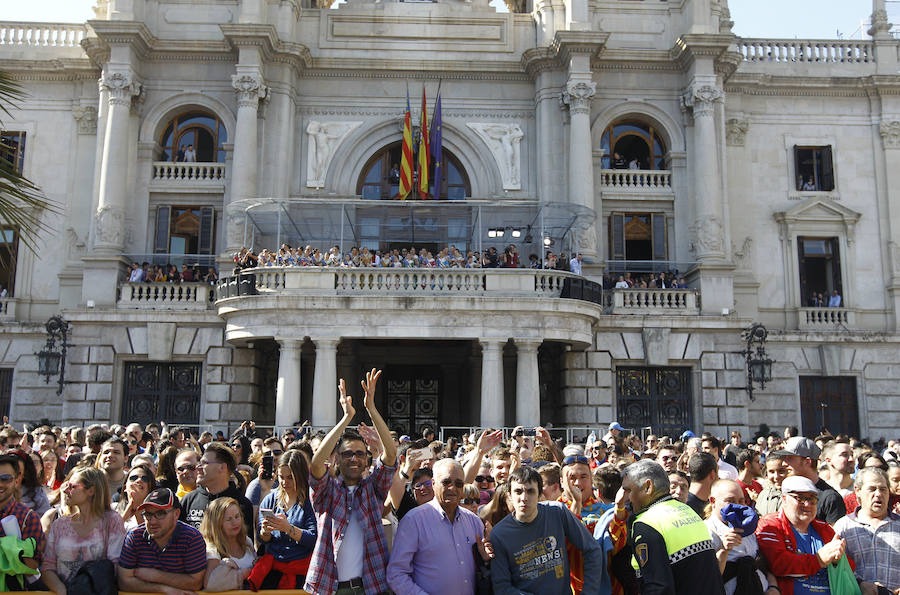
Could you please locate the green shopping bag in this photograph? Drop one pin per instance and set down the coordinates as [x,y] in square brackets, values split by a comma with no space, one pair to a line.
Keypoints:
[841,579]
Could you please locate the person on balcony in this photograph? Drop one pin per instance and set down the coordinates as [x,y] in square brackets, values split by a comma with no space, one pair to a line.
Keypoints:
[575,263]
[634,164]
[835,300]
[619,162]
[190,156]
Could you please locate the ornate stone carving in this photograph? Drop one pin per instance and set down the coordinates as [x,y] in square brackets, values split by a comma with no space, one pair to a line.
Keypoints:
[742,257]
[86,117]
[324,138]
[109,227]
[578,95]
[250,89]
[707,237]
[702,99]
[890,134]
[880,23]
[503,140]
[122,87]
[736,131]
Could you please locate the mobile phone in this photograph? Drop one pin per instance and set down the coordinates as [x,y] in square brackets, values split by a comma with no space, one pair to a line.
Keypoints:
[421,454]
[267,463]
[528,432]
[267,513]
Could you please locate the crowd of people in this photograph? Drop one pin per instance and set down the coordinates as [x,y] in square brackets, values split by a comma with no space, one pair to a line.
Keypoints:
[145,273]
[365,511]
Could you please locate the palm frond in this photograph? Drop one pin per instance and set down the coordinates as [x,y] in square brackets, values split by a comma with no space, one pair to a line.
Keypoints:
[11,93]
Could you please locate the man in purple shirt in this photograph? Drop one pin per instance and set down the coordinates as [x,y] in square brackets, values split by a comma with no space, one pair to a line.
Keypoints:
[432,552]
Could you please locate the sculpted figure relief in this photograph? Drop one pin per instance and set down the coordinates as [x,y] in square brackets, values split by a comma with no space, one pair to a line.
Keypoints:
[503,140]
[324,137]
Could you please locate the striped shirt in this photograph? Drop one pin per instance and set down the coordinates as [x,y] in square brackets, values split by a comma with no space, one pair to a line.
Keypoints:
[184,554]
[876,552]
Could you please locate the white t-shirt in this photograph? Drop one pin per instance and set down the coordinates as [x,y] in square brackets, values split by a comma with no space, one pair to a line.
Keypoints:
[727,471]
[245,562]
[353,548]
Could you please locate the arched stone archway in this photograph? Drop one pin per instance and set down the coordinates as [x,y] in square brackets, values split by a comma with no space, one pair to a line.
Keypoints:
[672,132]
[162,113]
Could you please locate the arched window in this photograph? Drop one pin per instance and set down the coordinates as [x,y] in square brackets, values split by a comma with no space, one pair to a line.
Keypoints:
[633,139]
[203,131]
[380,177]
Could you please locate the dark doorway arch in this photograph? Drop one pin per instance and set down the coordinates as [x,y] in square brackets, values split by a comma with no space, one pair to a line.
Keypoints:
[202,130]
[380,178]
[633,138]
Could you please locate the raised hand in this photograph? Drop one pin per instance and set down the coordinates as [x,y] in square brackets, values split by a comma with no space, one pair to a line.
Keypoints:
[484,544]
[369,385]
[543,436]
[489,440]
[346,400]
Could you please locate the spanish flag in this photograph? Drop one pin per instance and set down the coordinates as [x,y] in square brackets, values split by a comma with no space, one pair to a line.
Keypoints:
[407,157]
[424,151]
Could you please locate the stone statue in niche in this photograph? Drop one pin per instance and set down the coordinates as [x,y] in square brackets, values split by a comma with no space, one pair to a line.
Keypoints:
[324,137]
[503,140]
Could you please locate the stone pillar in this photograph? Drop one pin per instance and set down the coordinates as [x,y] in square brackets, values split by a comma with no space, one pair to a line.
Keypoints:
[549,131]
[579,92]
[492,393]
[250,89]
[287,389]
[528,391]
[325,393]
[109,220]
[707,230]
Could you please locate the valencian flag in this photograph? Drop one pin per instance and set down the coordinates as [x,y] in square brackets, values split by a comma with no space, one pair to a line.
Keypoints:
[436,142]
[406,159]
[424,151]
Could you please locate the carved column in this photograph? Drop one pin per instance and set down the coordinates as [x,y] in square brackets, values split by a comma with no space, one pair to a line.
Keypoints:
[492,392]
[707,230]
[887,179]
[577,95]
[325,393]
[287,388]
[250,89]
[528,390]
[109,220]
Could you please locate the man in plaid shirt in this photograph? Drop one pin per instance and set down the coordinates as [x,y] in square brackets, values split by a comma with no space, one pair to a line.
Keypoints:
[351,553]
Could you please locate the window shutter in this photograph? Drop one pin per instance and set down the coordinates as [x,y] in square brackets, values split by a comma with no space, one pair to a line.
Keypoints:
[798,176]
[827,169]
[617,236]
[658,223]
[207,220]
[163,217]
[836,266]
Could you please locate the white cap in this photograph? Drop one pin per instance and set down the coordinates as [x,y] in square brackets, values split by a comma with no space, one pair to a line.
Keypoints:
[796,484]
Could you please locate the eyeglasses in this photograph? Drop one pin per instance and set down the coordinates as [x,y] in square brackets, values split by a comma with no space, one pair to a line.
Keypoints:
[237,445]
[447,482]
[143,478]
[598,448]
[349,454]
[156,516]
[807,500]
[482,478]
[275,453]
[668,458]
[187,467]
[471,501]
[205,462]
[573,459]
[6,478]
[424,484]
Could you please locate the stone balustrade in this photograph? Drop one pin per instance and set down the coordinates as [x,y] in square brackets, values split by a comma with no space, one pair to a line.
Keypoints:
[807,50]
[7,308]
[637,180]
[165,296]
[683,302]
[826,318]
[188,173]
[42,34]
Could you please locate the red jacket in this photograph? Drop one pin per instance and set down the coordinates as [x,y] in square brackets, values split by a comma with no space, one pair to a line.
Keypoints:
[779,547]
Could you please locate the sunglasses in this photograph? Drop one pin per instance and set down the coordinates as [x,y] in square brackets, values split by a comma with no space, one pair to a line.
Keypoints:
[447,482]
[573,459]
[424,484]
[6,478]
[471,501]
[187,467]
[275,453]
[349,454]
[144,478]
[482,478]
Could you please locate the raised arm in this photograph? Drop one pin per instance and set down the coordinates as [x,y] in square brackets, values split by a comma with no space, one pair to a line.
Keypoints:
[320,457]
[486,442]
[389,457]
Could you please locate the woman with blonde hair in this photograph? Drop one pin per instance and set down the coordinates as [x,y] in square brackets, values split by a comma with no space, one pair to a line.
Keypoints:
[229,552]
[90,532]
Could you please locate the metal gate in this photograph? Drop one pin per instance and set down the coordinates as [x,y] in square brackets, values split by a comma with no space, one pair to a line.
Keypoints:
[413,398]
[162,391]
[829,402]
[655,397]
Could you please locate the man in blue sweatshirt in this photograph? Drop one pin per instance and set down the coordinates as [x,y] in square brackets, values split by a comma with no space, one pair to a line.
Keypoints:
[530,544]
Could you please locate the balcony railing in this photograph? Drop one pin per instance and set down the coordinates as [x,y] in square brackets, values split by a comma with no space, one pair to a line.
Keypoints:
[165,296]
[807,50]
[7,308]
[42,34]
[188,173]
[683,302]
[826,319]
[637,180]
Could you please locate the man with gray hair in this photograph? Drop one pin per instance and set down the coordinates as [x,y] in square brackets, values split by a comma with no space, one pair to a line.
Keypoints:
[433,546]
[672,549]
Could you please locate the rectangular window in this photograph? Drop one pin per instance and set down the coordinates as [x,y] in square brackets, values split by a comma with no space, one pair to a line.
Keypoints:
[639,237]
[184,230]
[12,149]
[9,250]
[814,169]
[820,272]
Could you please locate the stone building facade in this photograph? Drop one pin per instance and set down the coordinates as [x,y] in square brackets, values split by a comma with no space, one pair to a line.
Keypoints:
[763,173]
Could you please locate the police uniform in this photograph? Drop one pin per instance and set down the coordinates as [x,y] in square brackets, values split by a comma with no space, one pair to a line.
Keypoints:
[673,553]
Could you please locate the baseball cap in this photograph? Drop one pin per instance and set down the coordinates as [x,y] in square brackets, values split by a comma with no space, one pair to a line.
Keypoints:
[801,447]
[686,435]
[615,426]
[160,499]
[798,484]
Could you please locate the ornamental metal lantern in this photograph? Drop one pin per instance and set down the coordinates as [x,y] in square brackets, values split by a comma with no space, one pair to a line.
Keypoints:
[52,358]
[759,365]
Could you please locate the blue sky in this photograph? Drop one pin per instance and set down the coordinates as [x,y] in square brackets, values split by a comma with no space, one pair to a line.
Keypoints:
[814,19]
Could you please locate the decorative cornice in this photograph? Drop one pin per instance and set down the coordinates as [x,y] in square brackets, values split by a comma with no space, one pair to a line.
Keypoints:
[132,33]
[691,46]
[447,114]
[781,85]
[538,60]
[432,74]
[566,44]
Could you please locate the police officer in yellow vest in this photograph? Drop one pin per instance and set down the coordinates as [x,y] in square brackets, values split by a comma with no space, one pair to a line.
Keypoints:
[673,554]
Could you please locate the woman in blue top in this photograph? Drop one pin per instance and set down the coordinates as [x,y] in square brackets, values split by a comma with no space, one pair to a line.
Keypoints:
[287,526]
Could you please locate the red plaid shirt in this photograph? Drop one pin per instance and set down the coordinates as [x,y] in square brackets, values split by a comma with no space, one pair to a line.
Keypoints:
[333,504]
[29,525]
